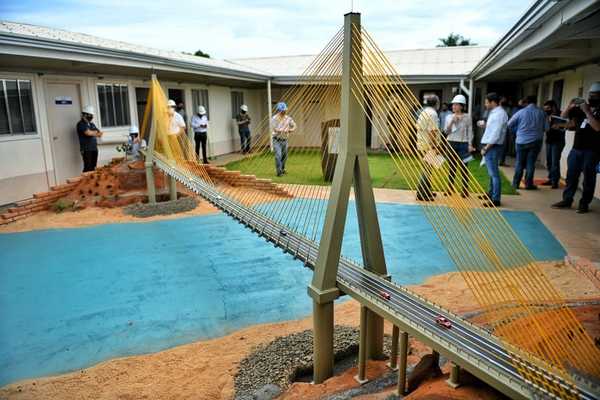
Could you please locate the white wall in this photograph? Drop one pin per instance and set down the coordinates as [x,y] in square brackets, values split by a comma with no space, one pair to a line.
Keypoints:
[26,161]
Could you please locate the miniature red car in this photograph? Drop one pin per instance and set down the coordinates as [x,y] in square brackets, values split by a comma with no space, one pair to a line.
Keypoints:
[443,321]
[385,295]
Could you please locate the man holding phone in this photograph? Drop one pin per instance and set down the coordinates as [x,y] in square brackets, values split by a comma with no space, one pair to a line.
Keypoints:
[584,118]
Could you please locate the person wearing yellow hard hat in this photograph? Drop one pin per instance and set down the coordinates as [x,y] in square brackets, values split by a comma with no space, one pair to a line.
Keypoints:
[458,128]
[87,133]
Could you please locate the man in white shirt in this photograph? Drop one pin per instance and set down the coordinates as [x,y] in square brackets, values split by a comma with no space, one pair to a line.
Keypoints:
[200,127]
[176,122]
[493,142]
[176,130]
[282,125]
[428,137]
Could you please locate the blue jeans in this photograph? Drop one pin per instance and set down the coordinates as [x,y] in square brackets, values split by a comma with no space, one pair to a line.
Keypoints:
[492,158]
[527,155]
[245,140]
[280,147]
[553,153]
[579,161]
[458,166]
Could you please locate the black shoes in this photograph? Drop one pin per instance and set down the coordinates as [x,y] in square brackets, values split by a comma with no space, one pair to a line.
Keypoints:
[427,197]
[582,209]
[490,204]
[532,187]
[562,204]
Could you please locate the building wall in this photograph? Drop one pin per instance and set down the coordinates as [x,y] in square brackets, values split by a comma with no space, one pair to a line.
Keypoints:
[576,84]
[27,161]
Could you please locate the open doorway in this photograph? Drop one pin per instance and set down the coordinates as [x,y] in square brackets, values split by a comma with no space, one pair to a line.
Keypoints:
[176,95]
[141,99]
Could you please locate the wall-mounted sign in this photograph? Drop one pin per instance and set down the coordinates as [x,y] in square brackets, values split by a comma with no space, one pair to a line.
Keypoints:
[63,100]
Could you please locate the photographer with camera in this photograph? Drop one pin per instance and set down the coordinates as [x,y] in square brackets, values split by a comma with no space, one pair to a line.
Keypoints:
[584,157]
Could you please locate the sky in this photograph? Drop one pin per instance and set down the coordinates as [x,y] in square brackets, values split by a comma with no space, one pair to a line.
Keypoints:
[262,28]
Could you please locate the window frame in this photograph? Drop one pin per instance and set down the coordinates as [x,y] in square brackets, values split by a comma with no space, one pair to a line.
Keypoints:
[18,79]
[116,88]
[199,90]
[235,108]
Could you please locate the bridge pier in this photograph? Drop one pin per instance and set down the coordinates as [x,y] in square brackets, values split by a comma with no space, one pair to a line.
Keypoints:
[322,341]
[151,189]
[393,364]
[361,378]
[402,366]
[454,379]
[172,188]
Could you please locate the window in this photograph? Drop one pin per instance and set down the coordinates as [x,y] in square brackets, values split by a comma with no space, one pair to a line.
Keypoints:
[200,98]
[237,99]
[114,104]
[17,115]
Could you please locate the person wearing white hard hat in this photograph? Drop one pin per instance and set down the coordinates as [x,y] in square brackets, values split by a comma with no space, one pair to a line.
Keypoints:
[243,123]
[135,143]
[176,122]
[87,133]
[458,128]
[200,127]
[282,125]
[584,118]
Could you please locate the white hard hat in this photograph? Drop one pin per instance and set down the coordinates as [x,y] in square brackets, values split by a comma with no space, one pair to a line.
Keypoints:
[201,110]
[244,107]
[88,110]
[171,103]
[460,99]
[133,129]
[595,87]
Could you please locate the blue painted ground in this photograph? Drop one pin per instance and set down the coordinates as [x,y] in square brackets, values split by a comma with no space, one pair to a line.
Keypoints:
[70,298]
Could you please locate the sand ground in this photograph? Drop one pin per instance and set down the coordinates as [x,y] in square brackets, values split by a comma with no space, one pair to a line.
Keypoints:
[206,369]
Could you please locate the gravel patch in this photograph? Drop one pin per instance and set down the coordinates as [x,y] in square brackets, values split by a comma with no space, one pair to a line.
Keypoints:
[145,210]
[289,358]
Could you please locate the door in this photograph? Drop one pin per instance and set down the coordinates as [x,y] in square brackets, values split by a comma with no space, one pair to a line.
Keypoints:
[64,111]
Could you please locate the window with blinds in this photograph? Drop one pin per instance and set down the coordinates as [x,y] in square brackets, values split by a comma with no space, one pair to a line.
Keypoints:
[200,98]
[17,114]
[114,104]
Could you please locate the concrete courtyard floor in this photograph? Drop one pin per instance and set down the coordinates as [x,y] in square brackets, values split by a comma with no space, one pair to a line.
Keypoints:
[578,233]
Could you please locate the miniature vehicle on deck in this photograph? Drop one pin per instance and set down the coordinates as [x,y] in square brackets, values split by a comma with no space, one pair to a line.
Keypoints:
[443,321]
[385,295]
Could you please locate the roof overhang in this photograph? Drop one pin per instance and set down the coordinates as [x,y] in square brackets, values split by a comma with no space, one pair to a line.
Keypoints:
[408,79]
[47,55]
[552,36]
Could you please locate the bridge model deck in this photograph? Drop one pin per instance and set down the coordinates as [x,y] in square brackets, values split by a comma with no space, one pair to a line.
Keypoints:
[469,346]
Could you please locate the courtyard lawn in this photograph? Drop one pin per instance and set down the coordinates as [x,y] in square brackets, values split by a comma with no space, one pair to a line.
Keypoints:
[304,167]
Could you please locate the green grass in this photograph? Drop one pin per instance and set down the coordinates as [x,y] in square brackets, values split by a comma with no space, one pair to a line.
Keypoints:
[304,167]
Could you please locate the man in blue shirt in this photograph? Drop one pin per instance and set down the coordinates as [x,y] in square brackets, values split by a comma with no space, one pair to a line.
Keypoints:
[493,142]
[529,123]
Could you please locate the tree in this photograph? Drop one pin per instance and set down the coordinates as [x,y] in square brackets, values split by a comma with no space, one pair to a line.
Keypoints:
[454,39]
[200,53]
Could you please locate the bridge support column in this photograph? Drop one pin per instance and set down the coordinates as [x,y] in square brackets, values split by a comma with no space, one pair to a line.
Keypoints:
[393,364]
[361,378]
[150,188]
[374,336]
[402,366]
[172,188]
[323,341]
[454,379]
